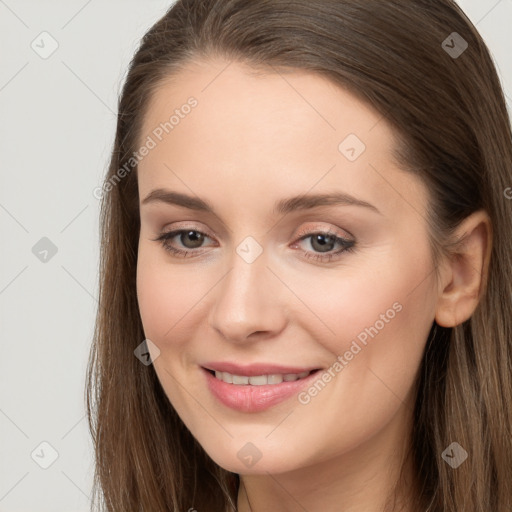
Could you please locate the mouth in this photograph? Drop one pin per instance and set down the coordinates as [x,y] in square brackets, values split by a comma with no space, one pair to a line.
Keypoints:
[256,393]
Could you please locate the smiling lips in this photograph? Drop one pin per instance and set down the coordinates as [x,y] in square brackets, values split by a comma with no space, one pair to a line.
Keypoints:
[255,387]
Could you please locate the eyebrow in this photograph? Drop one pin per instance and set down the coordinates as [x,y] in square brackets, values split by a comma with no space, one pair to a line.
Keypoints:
[283,206]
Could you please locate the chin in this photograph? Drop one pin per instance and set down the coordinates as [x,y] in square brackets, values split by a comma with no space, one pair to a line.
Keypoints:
[247,459]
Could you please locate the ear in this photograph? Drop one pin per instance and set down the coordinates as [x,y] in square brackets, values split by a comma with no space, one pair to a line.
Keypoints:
[464,275]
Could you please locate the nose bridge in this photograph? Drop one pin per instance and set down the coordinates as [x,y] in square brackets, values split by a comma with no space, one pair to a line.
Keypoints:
[246,301]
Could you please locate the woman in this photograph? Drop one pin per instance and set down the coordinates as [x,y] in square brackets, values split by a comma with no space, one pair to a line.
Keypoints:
[305,268]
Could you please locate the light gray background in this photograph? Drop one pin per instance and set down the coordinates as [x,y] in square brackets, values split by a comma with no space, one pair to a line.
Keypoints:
[57,125]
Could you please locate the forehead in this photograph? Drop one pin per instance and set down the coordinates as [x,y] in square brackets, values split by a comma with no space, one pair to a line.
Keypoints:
[251,130]
[239,96]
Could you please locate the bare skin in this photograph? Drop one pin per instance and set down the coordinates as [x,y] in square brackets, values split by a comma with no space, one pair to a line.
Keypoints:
[250,142]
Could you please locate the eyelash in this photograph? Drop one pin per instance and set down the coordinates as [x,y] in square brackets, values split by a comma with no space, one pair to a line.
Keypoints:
[347,245]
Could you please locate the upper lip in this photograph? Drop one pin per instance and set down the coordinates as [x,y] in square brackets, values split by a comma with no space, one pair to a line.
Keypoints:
[254,369]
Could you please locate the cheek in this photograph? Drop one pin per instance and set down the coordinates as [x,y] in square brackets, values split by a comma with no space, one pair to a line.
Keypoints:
[158,293]
[375,326]
[169,297]
[373,322]
[152,295]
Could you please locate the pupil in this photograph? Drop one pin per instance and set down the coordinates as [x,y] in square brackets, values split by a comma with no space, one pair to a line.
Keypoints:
[194,236]
[324,241]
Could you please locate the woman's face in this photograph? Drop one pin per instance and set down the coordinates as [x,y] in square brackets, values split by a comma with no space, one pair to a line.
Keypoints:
[262,284]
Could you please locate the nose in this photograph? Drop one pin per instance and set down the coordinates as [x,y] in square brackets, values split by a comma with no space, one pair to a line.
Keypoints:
[246,305]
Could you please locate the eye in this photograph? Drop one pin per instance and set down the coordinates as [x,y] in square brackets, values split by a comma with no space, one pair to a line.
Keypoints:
[189,238]
[324,242]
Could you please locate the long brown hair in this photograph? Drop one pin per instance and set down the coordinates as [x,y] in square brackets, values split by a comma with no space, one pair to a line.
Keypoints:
[450,116]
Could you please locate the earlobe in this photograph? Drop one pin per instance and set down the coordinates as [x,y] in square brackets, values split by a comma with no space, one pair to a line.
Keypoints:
[466,271]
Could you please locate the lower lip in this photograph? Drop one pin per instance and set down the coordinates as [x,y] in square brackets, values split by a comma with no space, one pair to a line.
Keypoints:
[248,398]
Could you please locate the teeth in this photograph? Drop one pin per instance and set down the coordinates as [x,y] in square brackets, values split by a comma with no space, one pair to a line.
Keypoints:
[259,380]
[239,379]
